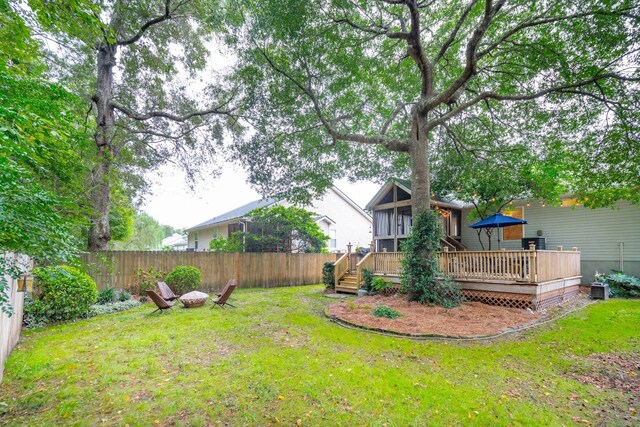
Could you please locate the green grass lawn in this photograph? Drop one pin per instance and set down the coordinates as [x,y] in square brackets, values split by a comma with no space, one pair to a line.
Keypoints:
[276,360]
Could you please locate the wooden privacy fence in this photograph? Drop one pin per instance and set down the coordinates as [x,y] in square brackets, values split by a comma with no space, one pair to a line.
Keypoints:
[10,327]
[267,270]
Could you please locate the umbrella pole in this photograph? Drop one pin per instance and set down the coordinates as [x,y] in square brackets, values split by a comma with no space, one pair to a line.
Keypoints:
[499,237]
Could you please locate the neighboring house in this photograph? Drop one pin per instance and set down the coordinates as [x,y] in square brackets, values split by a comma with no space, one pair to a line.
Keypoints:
[608,239]
[177,242]
[338,216]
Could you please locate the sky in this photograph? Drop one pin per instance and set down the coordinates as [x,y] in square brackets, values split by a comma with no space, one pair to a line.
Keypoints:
[171,202]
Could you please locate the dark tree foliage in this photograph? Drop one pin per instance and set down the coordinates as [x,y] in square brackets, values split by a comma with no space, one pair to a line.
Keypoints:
[284,229]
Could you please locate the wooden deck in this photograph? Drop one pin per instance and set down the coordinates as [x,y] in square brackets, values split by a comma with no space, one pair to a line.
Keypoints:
[521,278]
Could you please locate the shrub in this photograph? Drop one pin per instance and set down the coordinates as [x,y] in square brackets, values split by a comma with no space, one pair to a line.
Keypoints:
[65,292]
[367,278]
[621,285]
[327,274]
[421,277]
[123,296]
[184,278]
[34,313]
[378,284]
[385,311]
[147,279]
[106,296]
[114,307]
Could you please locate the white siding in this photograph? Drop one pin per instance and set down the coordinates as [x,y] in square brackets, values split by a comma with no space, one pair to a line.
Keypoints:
[350,224]
[597,233]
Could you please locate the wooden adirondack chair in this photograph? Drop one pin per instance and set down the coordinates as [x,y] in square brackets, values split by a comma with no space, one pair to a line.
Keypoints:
[165,292]
[229,283]
[160,302]
[221,301]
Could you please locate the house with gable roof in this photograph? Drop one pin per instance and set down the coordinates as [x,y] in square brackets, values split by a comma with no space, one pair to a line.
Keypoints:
[338,216]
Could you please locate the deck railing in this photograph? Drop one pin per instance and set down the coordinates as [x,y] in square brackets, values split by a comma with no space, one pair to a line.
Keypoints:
[387,263]
[552,265]
[518,266]
[514,266]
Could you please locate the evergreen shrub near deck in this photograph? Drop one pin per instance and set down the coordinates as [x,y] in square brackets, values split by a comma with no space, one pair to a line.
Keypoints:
[183,279]
[421,277]
[328,271]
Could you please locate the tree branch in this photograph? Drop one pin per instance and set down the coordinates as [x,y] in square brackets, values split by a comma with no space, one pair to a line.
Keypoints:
[163,114]
[389,143]
[524,97]
[539,20]
[150,23]
[455,31]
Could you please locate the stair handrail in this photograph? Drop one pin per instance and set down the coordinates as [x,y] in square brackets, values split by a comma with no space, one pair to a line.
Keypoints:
[360,266]
[340,267]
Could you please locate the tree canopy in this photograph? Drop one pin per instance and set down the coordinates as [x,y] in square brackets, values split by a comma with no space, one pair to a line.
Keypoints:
[359,88]
[138,67]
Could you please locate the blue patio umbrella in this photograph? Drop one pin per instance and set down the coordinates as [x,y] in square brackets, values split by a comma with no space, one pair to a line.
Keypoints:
[498,221]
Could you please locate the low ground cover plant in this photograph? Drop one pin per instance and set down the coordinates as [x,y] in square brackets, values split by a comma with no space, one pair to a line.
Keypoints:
[112,307]
[184,278]
[621,285]
[385,311]
[111,295]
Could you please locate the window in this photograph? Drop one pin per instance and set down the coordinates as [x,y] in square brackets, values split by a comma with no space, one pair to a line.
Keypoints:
[515,232]
[404,221]
[332,238]
[195,240]
[383,222]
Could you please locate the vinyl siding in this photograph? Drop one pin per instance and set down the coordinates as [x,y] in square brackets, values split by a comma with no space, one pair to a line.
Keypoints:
[595,232]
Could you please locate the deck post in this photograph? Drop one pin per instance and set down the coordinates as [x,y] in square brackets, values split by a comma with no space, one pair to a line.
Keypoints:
[560,248]
[372,246]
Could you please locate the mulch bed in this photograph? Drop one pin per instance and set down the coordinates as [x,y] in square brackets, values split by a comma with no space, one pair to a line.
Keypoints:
[470,319]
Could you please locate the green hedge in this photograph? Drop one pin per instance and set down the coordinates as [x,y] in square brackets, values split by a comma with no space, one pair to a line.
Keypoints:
[63,293]
[183,279]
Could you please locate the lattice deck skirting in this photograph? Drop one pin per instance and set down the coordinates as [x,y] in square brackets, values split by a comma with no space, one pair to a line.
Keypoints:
[521,301]
[502,299]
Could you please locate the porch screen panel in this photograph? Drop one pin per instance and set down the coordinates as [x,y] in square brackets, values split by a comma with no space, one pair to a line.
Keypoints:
[383,221]
[515,232]
[404,221]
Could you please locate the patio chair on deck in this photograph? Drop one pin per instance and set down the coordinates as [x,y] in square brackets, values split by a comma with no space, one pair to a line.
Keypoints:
[165,292]
[229,283]
[224,297]
[160,302]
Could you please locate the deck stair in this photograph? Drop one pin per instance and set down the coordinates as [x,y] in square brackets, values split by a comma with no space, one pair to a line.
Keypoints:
[348,283]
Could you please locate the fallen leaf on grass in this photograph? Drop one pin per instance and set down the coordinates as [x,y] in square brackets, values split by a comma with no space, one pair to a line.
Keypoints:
[299,422]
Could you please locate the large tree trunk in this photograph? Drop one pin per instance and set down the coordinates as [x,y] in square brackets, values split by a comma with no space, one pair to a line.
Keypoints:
[99,231]
[420,179]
